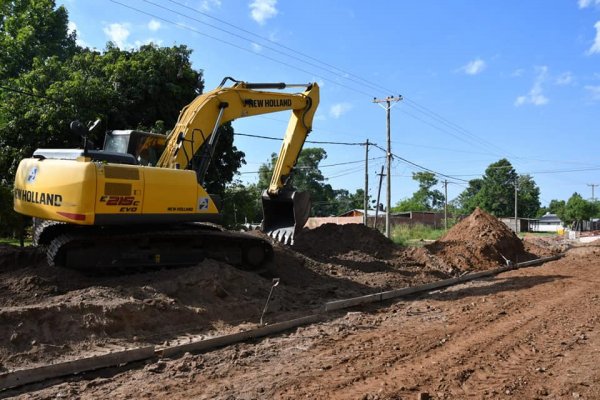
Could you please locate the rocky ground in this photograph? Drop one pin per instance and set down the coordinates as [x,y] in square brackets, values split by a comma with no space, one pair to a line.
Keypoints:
[518,334]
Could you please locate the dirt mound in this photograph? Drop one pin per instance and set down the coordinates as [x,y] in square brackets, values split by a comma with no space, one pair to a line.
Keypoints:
[332,240]
[480,241]
[12,257]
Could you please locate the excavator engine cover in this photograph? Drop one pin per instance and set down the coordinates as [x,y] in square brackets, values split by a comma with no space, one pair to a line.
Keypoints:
[285,214]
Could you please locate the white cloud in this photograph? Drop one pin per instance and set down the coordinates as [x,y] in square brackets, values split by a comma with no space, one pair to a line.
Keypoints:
[535,95]
[118,33]
[256,47]
[473,67]
[153,25]
[518,73]
[208,5]
[339,109]
[262,10]
[596,46]
[139,43]
[564,79]
[594,91]
[71,27]
[587,3]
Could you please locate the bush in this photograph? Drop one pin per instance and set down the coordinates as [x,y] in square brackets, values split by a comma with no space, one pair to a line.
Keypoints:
[10,221]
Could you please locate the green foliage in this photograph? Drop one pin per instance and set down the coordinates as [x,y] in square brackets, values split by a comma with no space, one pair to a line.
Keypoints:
[30,31]
[227,159]
[495,192]
[241,204]
[554,207]
[307,176]
[468,200]
[577,209]
[425,198]
[528,197]
[406,235]
[10,221]
[139,89]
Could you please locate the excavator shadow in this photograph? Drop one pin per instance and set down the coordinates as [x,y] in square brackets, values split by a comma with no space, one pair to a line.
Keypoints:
[494,285]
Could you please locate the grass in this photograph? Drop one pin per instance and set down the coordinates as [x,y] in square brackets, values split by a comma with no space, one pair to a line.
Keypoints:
[14,241]
[414,235]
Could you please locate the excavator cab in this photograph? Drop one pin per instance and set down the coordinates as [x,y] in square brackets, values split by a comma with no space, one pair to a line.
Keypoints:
[285,214]
[145,147]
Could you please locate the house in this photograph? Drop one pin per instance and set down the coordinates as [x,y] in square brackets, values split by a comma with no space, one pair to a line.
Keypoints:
[548,223]
[355,216]
[429,218]
[523,224]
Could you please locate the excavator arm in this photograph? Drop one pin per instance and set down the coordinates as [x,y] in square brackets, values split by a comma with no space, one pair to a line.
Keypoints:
[285,212]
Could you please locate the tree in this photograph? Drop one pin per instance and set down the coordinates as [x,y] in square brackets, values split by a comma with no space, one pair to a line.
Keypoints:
[528,197]
[495,192]
[241,204]
[345,201]
[577,209]
[468,201]
[32,30]
[139,89]
[554,207]
[425,198]
[306,176]
[226,161]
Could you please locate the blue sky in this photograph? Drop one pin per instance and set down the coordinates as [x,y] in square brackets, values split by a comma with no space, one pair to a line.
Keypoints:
[480,80]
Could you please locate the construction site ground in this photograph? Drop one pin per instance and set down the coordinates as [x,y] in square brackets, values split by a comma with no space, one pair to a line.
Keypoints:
[526,333]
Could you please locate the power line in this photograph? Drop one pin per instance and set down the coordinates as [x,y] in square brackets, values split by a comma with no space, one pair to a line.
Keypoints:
[420,166]
[307,141]
[328,67]
[336,71]
[327,165]
[239,47]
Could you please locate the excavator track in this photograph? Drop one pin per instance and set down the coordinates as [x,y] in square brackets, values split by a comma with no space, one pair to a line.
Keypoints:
[94,248]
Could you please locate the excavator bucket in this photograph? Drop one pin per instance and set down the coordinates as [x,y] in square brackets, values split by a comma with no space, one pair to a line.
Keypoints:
[285,214]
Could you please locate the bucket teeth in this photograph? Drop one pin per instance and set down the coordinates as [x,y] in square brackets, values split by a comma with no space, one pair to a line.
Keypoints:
[283,236]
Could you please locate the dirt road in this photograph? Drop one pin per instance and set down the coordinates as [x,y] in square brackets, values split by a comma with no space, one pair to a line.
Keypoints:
[526,334]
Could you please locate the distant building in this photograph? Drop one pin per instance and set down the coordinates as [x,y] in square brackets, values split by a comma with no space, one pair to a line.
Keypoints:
[349,217]
[357,212]
[523,224]
[429,218]
[548,223]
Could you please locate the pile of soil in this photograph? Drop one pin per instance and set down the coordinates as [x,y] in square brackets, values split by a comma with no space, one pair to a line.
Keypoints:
[49,313]
[332,240]
[479,242]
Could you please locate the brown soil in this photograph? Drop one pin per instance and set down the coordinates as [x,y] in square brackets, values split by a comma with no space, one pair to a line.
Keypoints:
[49,314]
[479,242]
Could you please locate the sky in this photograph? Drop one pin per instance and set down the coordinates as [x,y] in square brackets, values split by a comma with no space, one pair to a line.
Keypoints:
[479,81]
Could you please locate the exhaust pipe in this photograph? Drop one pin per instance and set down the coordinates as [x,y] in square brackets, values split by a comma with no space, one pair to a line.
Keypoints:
[285,214]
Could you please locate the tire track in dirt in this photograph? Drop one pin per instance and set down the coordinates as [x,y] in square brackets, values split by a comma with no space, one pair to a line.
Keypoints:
[514,362]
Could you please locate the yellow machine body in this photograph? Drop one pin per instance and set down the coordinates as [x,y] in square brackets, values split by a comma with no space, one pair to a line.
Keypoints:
[130,204]
[94,193]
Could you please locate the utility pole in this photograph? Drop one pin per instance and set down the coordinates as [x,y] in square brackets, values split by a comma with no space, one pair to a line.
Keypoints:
[378,195]
[388,105]
[593,185]
[516,221]
[366,197]
[446,204]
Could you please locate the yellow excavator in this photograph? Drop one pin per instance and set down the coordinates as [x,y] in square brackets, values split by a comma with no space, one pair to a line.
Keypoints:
[140,201]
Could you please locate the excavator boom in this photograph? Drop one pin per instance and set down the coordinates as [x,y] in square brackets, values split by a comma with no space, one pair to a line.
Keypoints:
[284,211]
